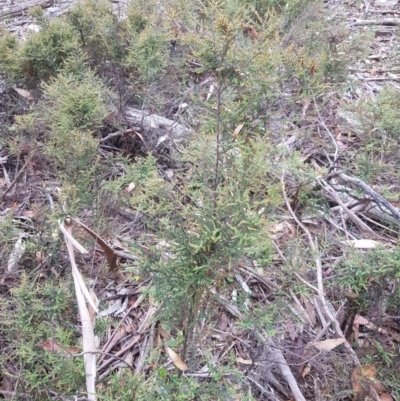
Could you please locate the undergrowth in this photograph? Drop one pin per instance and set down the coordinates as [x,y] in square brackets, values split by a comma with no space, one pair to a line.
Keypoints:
[227,69]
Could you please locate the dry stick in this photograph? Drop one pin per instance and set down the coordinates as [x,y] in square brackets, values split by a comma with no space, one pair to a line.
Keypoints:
[379,199]
[383,21]
[327,325]
[269,283]
[118,133]
[368,190]
[381,226]
[149,348]
[347,232]
[125,348]
[135,305]
[384,11]
[143,355]
[377,71]
[21,8]
[279,358]
[105,354]
[284,368]
[319,311]
[351,214]
[17,176]
[130,344]
[328,131]
[382,79]
[318,264]
[271,396]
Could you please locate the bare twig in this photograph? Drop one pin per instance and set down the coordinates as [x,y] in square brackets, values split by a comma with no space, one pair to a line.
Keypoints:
[327,325]
[108,345]
[17,176]
[379,199]
[104,354]
[125,348]
[271,396]
[330,191]
[329,133]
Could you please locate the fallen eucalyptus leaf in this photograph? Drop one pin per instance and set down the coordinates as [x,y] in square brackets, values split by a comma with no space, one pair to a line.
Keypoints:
[176,359]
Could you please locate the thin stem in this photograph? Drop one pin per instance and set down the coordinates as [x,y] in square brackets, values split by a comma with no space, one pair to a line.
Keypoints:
[218,150]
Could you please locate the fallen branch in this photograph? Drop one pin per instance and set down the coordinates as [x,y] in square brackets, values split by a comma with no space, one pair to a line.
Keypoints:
[383,21]
[20,9]
[379,199]
[335,196]
[156,124]
[382,79]
[278,357]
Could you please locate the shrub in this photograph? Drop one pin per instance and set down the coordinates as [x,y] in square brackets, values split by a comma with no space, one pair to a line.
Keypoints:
[35,317]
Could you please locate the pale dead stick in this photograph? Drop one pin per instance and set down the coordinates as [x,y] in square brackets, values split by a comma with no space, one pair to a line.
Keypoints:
[320,289]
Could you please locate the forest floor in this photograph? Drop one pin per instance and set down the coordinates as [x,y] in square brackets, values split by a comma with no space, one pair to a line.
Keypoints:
[319,321]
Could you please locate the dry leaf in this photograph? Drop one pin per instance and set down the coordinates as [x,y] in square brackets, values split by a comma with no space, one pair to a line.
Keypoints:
[306,105]
[129,188]
[238,129]
[140,136]
[328,345]
[51,346]
[16,254]
[362,243]
[210,92]
[305,371]
[292,330]
[244,361]
[110,254]
[164,333]
[176,359]
[360,320]
[385,397]
[223,321]
[351,294]
[54,346]
[363,378]
[29,213]
[310,309]
[24,93]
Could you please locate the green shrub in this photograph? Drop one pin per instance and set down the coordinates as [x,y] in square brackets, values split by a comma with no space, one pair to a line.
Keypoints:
[98,30]
[73,102]
[387,113]
[10,64]
[44,52]
[36,315]
[370,275]
[71,109]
